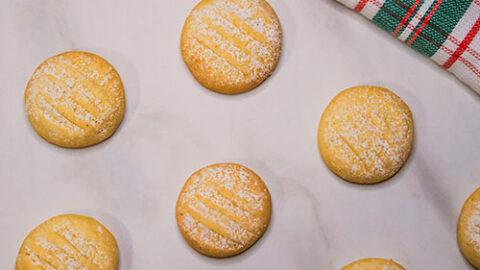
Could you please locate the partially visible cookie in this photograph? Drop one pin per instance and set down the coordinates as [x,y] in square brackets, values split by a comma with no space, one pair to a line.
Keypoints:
[366,134]
[69,242]
[468,230]
[374,264]
[231,46]
[223,209]
[75,99]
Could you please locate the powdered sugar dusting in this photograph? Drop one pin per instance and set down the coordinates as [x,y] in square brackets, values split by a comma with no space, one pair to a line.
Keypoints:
[224,207]
[75,95]
[58,244]
[236,42]
[474,227]
[368,130]
[209,237]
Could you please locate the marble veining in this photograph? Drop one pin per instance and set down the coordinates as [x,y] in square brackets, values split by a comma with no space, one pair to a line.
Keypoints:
[130,182]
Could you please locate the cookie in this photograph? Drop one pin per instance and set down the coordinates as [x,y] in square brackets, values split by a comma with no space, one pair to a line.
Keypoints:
[374,264]
[223,209]
[69,242]
[75,99]
[468,230]
[231,46]
[366,134]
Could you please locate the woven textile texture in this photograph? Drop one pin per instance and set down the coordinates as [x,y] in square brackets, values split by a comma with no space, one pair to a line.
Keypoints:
[446,31]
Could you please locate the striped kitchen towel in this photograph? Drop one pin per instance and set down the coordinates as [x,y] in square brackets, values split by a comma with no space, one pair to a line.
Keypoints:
[444,30]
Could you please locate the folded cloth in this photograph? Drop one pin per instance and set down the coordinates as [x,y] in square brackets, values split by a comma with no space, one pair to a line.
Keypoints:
[446,31]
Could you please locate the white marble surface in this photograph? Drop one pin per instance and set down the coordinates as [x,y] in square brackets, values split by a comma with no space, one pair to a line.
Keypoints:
[173,126]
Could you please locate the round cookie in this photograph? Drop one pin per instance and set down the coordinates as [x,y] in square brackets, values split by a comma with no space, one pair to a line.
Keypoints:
[468,230]
[75,99]
[231,46]
[69,242]
[374,264]
[223,209]
[366,134]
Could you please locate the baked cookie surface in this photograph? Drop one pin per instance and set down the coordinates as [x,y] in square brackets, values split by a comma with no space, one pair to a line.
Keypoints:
[69,242]
[231,46]
[468,230]
[374,264]
[366,134]
[75,99]
[223,209]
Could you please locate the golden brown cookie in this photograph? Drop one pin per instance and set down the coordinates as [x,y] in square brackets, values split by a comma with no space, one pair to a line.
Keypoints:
[223,209]
[468,231]
[374,264]
[366,134]
[75,99]
[69,242]
[231,46]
